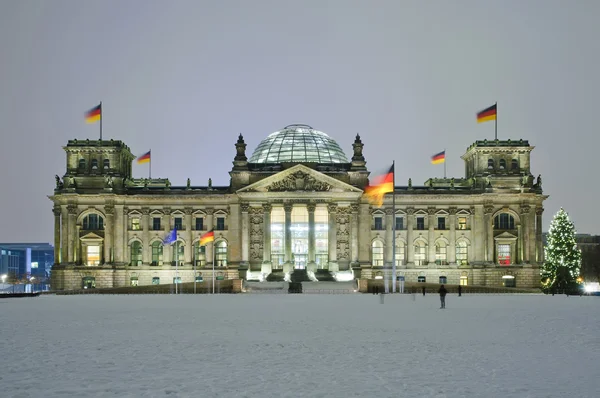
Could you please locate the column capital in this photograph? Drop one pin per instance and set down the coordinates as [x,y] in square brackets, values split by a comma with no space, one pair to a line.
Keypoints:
[488,209]
[267,207]
[167,211]
[389,211]
[287,207]
[145,210]
[209,211]
[311,207]
[109,210]
[452,211]
[244,207]
[539,211]
[431,211]
[72,208]
[332,207]
[525,209]
[188,211]
[410,211]
[56,210]
[354,207]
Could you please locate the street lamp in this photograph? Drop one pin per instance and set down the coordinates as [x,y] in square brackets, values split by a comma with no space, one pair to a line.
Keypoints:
[4,278]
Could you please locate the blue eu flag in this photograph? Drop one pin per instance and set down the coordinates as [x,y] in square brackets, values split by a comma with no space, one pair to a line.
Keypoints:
[172,237]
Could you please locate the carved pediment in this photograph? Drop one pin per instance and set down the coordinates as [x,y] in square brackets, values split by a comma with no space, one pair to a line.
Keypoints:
[300,178]
[505,236]
[90,237]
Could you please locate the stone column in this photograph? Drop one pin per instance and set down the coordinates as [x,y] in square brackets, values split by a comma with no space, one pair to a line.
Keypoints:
[187,249]
[451,250]
[120,231]
[431,236]
[266,266]
[354,236]
[332,238]
[146,250]
[287,207]
[410,245]
[64,217]
[245,234]
[311,235]
[539,211]
[73,238]
[124,238]
[389,237]
[56,211]
[210,245]
[489,233]
[109,227]
[524,235]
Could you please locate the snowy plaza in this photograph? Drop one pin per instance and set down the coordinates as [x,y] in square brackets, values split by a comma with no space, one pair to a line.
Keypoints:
[279,345]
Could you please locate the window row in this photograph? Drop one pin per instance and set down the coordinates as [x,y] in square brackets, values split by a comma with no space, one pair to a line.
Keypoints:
[198,224]
[198,254]
[94,165]
[421,223]
[502,164]
[420,253]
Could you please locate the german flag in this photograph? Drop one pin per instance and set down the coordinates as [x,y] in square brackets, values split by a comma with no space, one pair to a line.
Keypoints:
[207,237]
[94,114]
[145,158]
[487,114]
[438,158]
[381,185]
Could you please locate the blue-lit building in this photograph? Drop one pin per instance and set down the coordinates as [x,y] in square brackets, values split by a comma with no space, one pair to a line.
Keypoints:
[23,260]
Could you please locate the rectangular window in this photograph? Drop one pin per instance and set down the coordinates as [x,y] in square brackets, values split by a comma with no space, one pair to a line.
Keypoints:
[419,255]
[462,223]
[400,253]
[177,280]
[421,223]
[443,280]
[399,223]
[220,224]
[178,223]
[378,223]
[441,223]
[509,281]
[421,279]
[135,224]
[504,254]
[155,280]
[199,224]
[464,280]
[156,224]
[133,281]
[93,255]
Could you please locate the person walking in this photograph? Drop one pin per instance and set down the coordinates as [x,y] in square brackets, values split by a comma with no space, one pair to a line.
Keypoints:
[442,293]
[459,290]
[423,290]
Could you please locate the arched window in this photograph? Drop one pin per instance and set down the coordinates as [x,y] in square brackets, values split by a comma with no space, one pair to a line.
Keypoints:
[199,255]
[504,221]
[502,164]
[491,164]
[420,252]
[221,254]
[377,253]
[400,253]
[514,165]
[179,256]
[157,253]
[106,164]
[136,253]
[94,164]
[440,253]
[82,163]
[462,253]
[93,222]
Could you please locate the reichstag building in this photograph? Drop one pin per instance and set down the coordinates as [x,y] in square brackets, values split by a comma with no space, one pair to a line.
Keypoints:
[297,204]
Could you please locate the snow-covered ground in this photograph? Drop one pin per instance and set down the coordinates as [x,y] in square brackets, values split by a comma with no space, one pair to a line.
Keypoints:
[275,345]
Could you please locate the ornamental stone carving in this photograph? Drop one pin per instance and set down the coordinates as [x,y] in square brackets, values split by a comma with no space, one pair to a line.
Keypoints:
[109,210]
[209,211]
[311,207]
[539,211]
[167,211]
[431,211]
[244,207]
[56,210]
[410,211]
[287,207]
[267,207]
[256,232]
[452,211]
[299,181]
[72,208]
[188,211]
[332,207]
[145,210]
[389,211]
[354,207]
[525,209]
[488,209]
[342,219]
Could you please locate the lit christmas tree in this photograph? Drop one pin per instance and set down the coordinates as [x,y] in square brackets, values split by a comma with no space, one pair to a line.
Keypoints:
[562,263]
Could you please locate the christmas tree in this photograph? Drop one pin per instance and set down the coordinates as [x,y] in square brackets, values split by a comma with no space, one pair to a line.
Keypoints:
[562,263]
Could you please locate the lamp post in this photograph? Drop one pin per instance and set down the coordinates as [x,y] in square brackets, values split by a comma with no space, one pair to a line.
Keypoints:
[32,284]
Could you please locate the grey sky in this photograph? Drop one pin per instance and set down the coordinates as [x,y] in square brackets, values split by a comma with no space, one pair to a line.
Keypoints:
[184,78]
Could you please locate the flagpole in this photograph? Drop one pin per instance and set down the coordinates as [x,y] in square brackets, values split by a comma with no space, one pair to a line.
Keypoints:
[445,163]
[194,269]
[176,266]
[213,267]
[496,126]
[101,117]
[394,228]
[150,165]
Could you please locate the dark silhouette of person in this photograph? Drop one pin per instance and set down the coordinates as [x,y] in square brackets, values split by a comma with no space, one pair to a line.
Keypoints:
[459,290]
[423,288]
[442,293]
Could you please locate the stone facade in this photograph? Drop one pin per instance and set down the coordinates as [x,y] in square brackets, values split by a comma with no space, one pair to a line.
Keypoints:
[481,229]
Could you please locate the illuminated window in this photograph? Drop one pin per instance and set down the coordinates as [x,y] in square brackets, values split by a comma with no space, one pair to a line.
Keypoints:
[93,255]
[133,281]
[179,256]
[504,254]
[462,222]
[199,255]
[277,237]
[221,254]
[157,253]
[464,280]
[321,237]
[420,252]
[135,224]
[440,253]
[377,253]
[400,253]
[509,281]
[462,252]
[136,253]
[88,282]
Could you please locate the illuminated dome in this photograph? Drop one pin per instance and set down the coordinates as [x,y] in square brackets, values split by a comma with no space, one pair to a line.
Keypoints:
[298,143]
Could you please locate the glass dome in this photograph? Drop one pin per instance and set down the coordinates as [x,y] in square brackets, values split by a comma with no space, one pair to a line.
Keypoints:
[298,143]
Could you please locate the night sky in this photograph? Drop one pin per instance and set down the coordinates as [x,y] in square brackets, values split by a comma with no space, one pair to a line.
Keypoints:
[184,78]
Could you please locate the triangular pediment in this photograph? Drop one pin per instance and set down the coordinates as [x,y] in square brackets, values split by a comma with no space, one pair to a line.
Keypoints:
[91,237]
[299,178]
[505,236]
